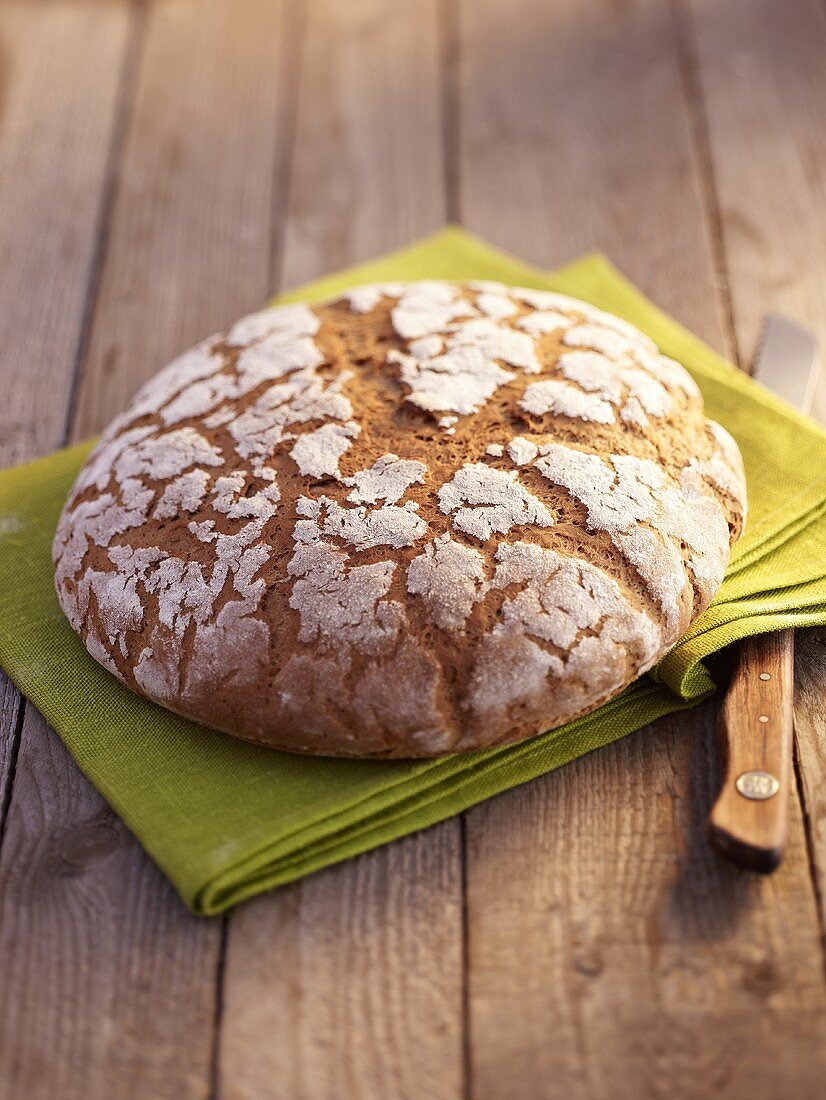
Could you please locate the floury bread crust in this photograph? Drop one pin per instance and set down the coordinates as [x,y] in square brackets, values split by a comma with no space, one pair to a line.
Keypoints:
[422,518]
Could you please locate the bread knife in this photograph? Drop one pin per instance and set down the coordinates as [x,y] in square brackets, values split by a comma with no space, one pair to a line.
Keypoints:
[749,820]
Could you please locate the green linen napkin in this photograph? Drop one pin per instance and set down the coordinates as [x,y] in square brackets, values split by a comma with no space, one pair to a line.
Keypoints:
[226,820]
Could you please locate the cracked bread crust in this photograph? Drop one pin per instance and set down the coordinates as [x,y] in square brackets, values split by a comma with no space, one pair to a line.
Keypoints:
[421,518]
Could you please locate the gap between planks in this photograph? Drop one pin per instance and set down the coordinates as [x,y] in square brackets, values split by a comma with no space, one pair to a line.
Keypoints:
[125,96]
[756,41]
[121,105]
[148,898]
[291,55]
[450,62]
[360,964]
[698,123]
[716,924]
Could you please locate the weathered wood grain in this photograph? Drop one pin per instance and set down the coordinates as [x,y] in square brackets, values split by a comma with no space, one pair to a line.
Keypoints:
[350,983]
[63,69]
[189,245]
[367,175]
[810,731]
[11,717]
[575,137]
[109,985]
[763,83]
[606,942]
[57,116]
[752,831]
[610,949]
[61,66]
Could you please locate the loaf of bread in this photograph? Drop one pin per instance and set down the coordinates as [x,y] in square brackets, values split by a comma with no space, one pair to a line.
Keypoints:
[419,519]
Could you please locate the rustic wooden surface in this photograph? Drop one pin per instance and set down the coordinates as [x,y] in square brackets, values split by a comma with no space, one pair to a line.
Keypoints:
[164,165]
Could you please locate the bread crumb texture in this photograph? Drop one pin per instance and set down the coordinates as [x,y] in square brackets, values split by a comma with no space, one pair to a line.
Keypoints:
[422,518]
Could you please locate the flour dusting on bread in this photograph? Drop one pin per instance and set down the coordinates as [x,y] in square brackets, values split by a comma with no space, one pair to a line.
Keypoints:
[417,518]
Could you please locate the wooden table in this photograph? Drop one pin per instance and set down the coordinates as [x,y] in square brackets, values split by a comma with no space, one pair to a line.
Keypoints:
[164,166]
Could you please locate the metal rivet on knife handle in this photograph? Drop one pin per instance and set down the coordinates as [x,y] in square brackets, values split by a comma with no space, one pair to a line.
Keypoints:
[757,785]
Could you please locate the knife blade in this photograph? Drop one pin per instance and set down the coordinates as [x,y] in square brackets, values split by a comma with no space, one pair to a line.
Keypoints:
[748,822]
[786,361]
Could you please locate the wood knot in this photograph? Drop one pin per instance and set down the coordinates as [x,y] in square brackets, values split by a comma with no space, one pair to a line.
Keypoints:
[762,978]
[84,844]
[589,963]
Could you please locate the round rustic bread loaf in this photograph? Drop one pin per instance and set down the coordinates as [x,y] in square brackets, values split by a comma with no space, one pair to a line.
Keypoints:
[422,518]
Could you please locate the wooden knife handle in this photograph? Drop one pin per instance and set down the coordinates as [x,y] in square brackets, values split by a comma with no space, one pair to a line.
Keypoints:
[749,821]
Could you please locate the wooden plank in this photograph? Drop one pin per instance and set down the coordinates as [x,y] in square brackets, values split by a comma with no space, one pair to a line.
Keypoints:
[64,67]
[61,66]
[763,85]
[606,942]
[57,114]
[108,982]
[575,138]
[350,983]
[11,718]
[106,979]
[189,248]
[810,722]
[368,170]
